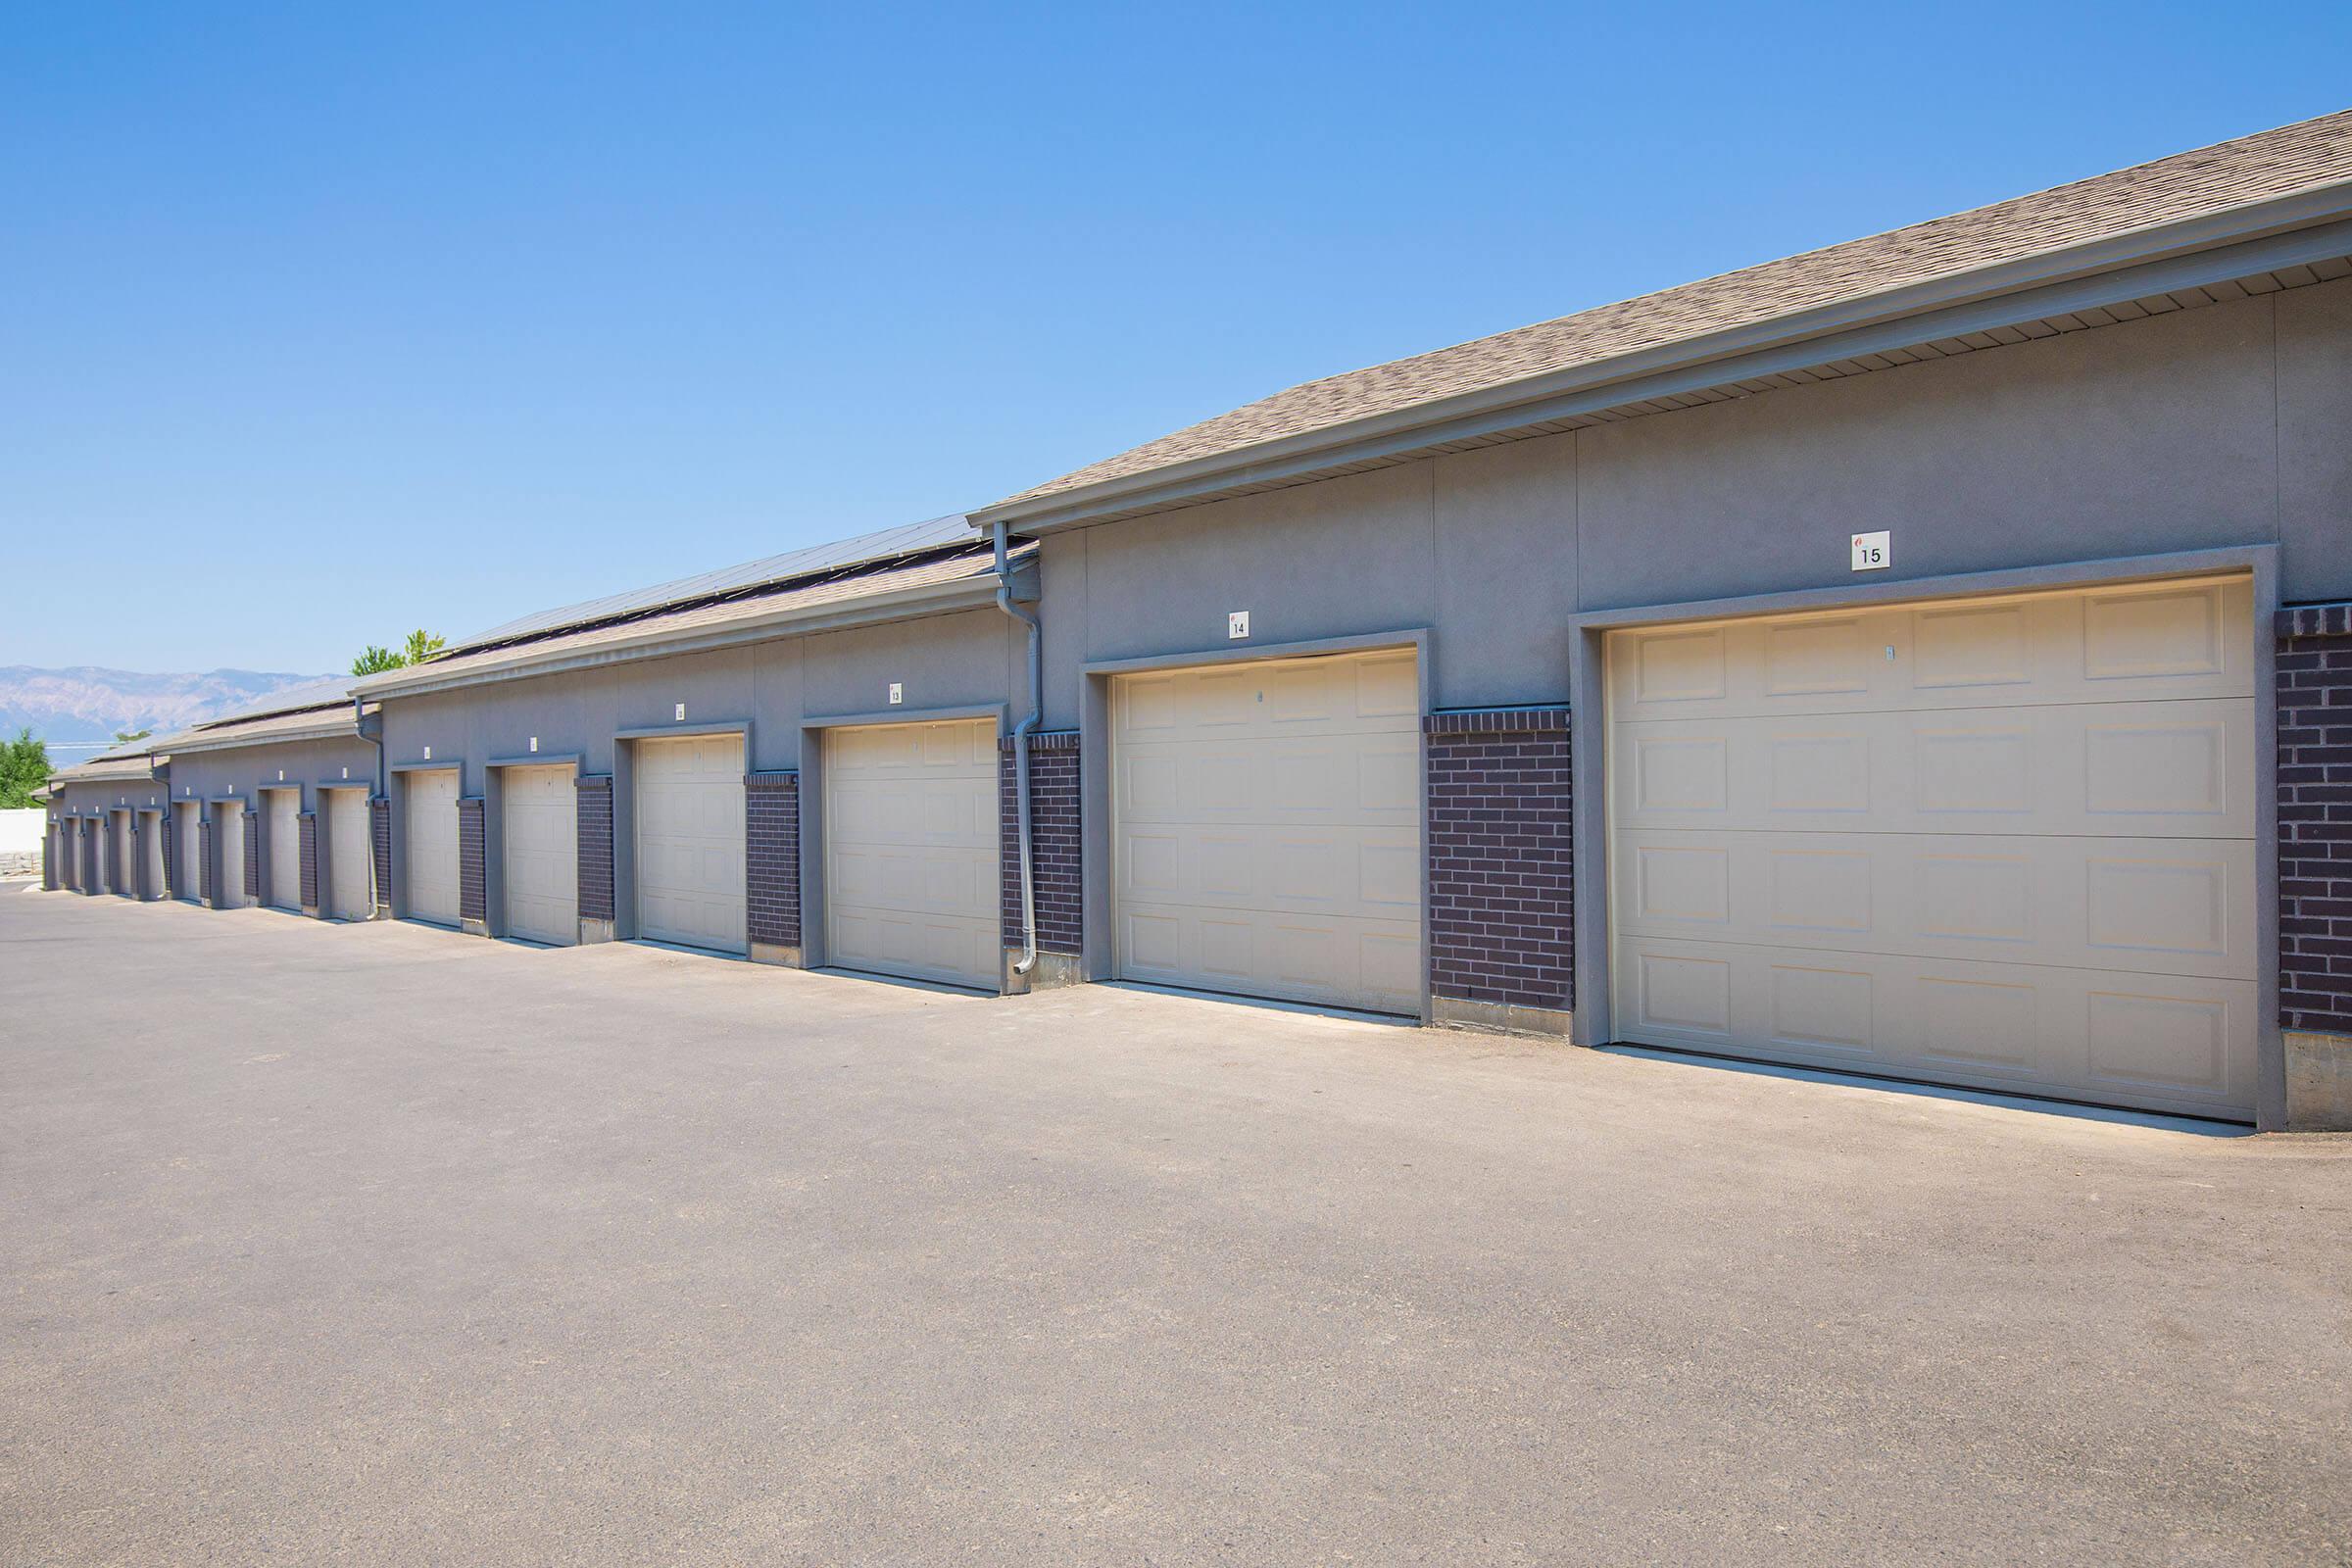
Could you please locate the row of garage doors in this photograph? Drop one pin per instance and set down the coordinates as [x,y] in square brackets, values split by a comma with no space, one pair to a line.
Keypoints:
[1998,841]
[910,842]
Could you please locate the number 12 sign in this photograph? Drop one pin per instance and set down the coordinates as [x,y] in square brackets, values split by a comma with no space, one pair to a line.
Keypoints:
[1873,551]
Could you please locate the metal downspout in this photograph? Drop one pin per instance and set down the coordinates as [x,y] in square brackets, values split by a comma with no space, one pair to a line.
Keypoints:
[1020,759]
[359,722]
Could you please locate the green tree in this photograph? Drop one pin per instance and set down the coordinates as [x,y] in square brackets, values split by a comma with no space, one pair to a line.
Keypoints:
[376,659]
[124,737]
[23,768]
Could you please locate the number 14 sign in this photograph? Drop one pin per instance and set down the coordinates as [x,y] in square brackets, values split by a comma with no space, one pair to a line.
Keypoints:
[1873,551]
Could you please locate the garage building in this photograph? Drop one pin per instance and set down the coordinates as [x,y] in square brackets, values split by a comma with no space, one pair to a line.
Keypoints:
[1918,656]
[279,804]
[633,768]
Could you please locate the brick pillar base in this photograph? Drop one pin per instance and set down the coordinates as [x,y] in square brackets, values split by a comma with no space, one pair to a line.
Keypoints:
[2314,863]
[1055,850]
[472,868]
[1500,873]
[306,838]
[594,795]
[772,866]
[379,846]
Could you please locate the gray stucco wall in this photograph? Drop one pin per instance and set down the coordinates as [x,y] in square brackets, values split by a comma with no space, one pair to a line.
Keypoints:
[953,661]
[313,764]
[87,797]
[2221,425]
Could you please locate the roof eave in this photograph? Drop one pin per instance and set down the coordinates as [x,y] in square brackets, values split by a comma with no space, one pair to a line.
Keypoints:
[2303,225]
[906,603]
[342,726]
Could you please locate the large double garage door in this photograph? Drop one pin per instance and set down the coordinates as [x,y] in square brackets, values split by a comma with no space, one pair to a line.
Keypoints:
[1266,832]
[2003,843]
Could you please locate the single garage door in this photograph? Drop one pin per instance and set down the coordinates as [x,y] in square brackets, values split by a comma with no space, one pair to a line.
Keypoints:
[910,851]
[1267,830]
[121,876]
[432,846]
[2005,843]
[281,850]
[541,833]
[229,850]
[690,841]
[350,856]
[187,841]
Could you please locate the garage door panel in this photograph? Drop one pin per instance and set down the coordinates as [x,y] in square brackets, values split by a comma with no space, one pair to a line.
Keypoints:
[2132,643]
[2001,843]
[1335,962]
[432,846]
[2075,768]
[689,870]
[910,851]
[1356,872]
[350,856]
[1362,694]
[1349,779]
[2167,1041]
[541,854]
[2156,906]
[283,822]
[188,837]
[1266,829]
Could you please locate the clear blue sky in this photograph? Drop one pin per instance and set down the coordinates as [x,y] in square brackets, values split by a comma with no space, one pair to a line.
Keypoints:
[319,323]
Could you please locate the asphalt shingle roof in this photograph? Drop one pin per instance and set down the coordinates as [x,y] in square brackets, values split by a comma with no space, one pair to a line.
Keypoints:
[2231,174]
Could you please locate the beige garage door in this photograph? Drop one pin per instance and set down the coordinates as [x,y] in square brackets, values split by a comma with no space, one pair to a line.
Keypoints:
[1266,833]
[542,854]
[281,849]
[2003,843]
[432,846]
[229,855]
[188,841]
[350,856]
[118,874]
[690,841]
[910,851]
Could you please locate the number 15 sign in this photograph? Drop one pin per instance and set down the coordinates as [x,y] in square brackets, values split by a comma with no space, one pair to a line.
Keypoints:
[1873,551]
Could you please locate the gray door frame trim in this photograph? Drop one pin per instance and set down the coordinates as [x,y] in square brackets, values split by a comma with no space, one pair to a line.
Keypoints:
[624,816]
[1098,949]
[1591,1022]
[813,955]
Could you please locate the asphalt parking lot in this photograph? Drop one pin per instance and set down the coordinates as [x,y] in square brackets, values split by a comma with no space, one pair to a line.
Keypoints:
[383,1244]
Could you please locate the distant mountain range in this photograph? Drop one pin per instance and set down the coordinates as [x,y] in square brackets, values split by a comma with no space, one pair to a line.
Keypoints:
[88,704]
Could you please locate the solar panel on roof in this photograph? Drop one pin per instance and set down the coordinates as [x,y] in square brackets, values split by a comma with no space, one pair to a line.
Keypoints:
[310,694]
[906,539]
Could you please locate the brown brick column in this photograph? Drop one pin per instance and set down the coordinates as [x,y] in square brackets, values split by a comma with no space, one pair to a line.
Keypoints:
[473,867]
[306,838]
[379,846]
[593,820]
[2315,863]
[1055,850]
[772,866]
[204,857]
[1500,872]
[253,854]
